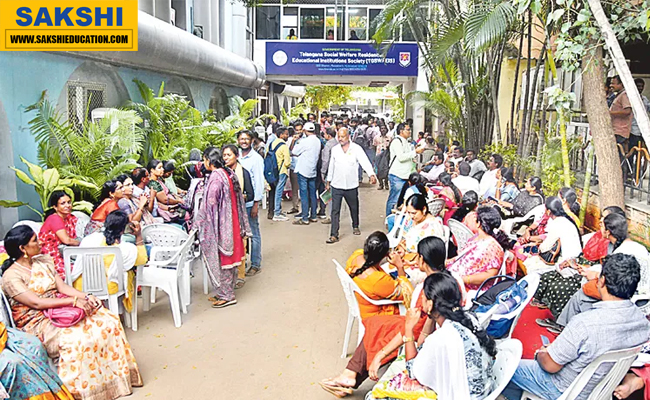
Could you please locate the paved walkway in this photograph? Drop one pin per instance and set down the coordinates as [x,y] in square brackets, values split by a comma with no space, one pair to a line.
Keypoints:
[284,335]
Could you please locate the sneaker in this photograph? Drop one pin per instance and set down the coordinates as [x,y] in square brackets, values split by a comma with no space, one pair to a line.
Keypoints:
[313,219]
[293,211]
[326,221]
[322,216]
[280,218]
[300,222]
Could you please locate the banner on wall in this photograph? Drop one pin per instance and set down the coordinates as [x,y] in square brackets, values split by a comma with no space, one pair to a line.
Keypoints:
[340,58]
[69,25]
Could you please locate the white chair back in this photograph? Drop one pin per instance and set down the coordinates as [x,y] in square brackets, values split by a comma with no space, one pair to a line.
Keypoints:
[36,226]
[5,311]
[436,206]
[82,220]
[93,276]
[346,283]
[509,353]
[460,232]
[164,236]
[355,288]
[621,361]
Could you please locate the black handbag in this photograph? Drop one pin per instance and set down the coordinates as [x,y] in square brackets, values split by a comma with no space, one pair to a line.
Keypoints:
[552,255]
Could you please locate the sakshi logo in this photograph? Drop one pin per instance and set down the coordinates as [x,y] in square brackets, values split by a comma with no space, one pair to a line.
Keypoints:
[405,58]
[69,25]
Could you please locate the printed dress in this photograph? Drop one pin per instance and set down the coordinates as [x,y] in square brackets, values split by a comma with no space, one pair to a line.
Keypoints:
[95,359]
[50,242]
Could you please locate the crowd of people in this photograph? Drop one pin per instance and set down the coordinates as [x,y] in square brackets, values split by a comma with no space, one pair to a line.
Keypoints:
[439,348]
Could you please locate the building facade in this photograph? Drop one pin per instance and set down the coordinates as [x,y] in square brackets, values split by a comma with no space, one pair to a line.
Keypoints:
[201,49]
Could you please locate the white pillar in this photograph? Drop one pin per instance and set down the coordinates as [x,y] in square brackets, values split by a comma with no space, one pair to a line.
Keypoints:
[202,17]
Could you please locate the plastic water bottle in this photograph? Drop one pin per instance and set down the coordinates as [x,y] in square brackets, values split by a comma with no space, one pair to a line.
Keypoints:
[504,307]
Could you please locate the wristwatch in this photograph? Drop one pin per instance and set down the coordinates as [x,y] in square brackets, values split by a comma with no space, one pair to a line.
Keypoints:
[406,339]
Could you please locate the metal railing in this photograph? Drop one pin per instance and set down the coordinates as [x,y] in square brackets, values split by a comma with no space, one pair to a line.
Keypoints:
[636,171]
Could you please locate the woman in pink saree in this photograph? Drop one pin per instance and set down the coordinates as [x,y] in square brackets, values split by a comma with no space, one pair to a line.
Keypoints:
[222,228]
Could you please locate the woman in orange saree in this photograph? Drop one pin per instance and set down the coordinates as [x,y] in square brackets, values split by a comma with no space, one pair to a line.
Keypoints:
[95,359]
[365,269]
[384,333]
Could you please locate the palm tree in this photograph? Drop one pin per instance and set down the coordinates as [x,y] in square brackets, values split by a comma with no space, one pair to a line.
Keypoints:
[470,35]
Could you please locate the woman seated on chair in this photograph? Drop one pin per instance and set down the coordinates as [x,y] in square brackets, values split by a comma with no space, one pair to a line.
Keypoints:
[132,255]
[525,201]
[468,206]
[365,269]
[422,224]
[25,373]
[112,192]
[556,287]
[507,190]
[95,359]
[59,228]
[135,208]
[562,242]
[482,256]
[167,202]
[450,194]
[415,185]
[454,361]
[383,333]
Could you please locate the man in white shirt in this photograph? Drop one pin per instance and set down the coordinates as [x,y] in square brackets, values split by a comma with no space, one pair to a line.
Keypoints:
[488,186]
[438,162]
[478,168]
[307,152]
[463,181]
[342,180]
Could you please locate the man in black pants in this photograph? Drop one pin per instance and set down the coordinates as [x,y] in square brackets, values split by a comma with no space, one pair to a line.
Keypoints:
[342,177]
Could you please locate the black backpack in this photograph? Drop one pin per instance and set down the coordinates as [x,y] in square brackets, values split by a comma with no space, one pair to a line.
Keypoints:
[384,161]
[271,171]
[362,139]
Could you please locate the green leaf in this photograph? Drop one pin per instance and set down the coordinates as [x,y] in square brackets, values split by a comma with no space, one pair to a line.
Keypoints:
[83,206]
[557,14]
[23,176]
[50,179]
[35,171]
[12,204]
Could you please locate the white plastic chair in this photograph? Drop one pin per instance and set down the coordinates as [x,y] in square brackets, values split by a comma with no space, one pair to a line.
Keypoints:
[165,239]
[397,233]
[82,220]
[536,212]
[621,360]
[460,232]
[509,353]
[169,275]
[93,276]
[436,206]
[349,288]
[5,311]
[36,226]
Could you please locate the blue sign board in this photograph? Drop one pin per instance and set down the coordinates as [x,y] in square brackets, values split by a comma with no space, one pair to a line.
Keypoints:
[340,58]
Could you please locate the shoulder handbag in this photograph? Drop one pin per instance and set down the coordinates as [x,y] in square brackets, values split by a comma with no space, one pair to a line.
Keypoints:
[65,317]
[551,255]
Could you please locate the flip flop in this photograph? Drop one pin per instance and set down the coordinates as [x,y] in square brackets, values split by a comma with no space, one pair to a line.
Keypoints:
[223,303]
[213,299]
[539,305]
[335,388]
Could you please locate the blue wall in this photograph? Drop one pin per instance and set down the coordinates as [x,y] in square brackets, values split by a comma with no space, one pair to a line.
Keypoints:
[24,75]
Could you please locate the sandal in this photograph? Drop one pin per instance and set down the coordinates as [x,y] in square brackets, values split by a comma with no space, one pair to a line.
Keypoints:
[213,299]
[335,388]
[332,239]
[223,303]
[240,283]
[356,231]
[537,304]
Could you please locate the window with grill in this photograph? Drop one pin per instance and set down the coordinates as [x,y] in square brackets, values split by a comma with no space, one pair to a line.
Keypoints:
[83,98]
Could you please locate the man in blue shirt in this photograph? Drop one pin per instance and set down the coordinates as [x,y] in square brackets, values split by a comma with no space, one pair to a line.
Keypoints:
[254,164]
[307,153]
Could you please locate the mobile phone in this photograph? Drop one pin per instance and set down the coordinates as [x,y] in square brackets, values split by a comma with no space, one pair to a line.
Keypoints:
[545,340]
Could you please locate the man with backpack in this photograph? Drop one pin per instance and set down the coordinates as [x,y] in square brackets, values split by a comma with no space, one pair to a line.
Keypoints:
[276,172]
[401,162]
